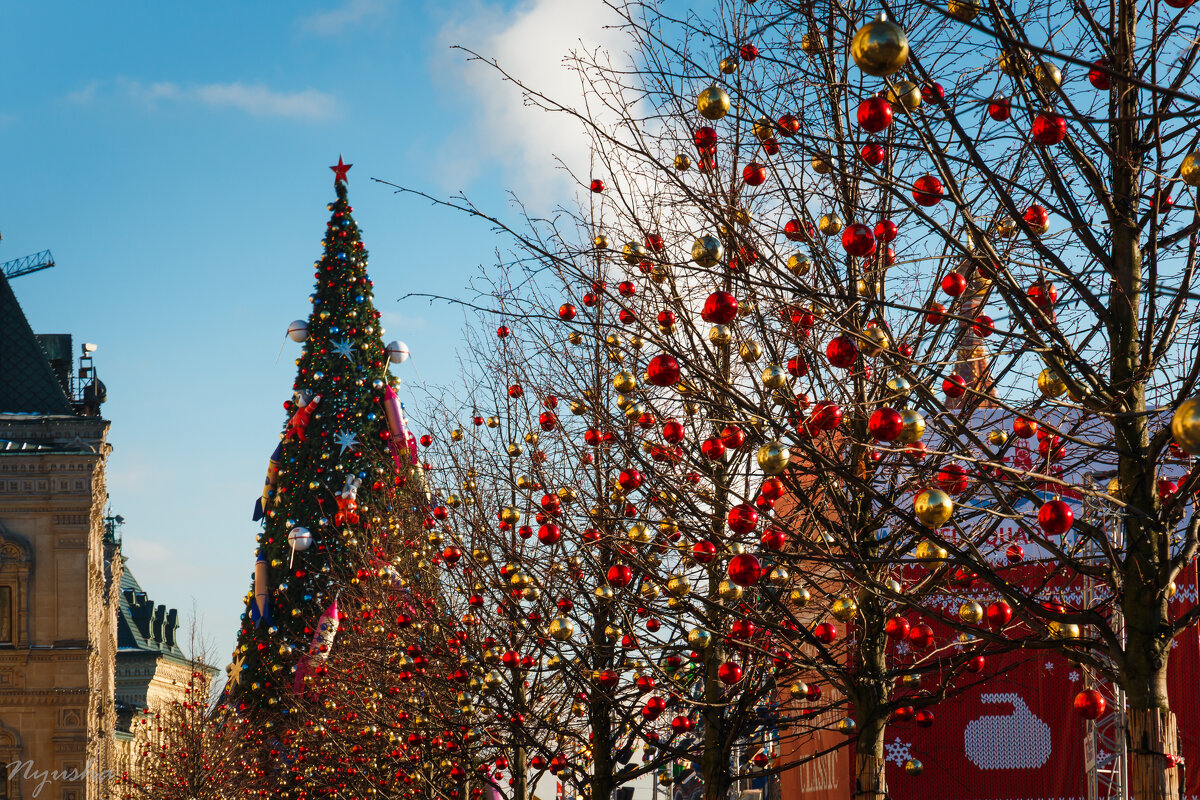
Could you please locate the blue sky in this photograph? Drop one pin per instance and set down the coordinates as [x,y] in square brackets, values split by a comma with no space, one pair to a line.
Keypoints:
[175,159]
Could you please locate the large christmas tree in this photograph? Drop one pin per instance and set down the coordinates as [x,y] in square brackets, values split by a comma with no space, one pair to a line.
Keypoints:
[337,486]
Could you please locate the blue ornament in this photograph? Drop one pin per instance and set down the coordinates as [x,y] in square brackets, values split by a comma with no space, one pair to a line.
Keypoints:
[358,298]
[371,416]
[308,598]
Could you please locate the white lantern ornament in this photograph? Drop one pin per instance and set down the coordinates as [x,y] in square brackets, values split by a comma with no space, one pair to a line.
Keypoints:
[300,539]
[397,352]
[298,331]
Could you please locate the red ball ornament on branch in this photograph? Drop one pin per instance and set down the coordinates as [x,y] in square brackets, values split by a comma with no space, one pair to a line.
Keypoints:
[754,174]
[927,191]
[729,672]
[503,331]
[744,569]
[874,114]
[825,633]
[885,425]
[663,370]
[1055,517]
[921,637]
[872,153]
[1014,553]
[1000,109]
[896,628]
[796,231]
[619,575]
[1049,129]
[704,551]
[597,185]
[1098,75]
[673,431]
[1090,704]
[705,139]
[748,52]
[773,539]
[999,614]
[842,352]
[1038,218]
[743,518]
[886,231]
[955,386]
[858,240]
[567,312]
[719,309]
[954,284]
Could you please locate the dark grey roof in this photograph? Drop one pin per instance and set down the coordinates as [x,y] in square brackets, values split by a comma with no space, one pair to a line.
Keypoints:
[143,626]
[27,382]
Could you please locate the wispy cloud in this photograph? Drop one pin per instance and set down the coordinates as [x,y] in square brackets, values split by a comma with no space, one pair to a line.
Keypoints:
[347,15]
[254,99]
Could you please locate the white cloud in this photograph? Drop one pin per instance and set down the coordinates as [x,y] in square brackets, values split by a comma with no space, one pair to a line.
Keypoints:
[349,14]
[85,95]
[531,43]
[254,99]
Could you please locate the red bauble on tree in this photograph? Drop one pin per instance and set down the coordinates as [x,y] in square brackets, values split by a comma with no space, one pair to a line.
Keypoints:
[1049,129]
[1055,517]
[886,231]
[720,308]
[927,190]
[597,185]
[754,174]
[841,352]
[663,370]
[743,518]
[874,114]
[744,569]
[1000,109]
[858,240]
[954,284]
[885,424]
[1090,704]
[874,154]
[954,386]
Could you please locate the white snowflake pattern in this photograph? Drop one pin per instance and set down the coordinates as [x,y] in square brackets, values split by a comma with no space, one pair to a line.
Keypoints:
[902,648]
[897,752]
[1049,666]
[1073,676]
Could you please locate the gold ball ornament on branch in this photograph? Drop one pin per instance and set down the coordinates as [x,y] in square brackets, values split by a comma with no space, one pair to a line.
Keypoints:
[773,457]
[933,507]
[1189,170]
[799,264]
[880,48]
[1185,426]
[713,103]
[707,251]
[1050,384]
[963,10]
[829,224]
[905,94]
[683,162]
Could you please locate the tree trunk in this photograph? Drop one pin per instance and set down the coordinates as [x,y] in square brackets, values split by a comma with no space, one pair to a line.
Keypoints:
[1154,766]
[870,778]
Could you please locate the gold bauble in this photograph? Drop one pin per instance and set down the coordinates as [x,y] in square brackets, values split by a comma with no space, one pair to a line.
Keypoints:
[1185,426]
[912,426]
[1012,64]
[913,767]
[905,94]
[778,576]
[998,438]
[774,377]
[683,162]
[1048,75]
[635,412]
[822,164]
[875,341]
[575,337]
[624,381]
[531,437]
[510,515]
[568,494]
[634,253]
[773,457]
[604,593]
[750,351]
[1050,385]
[845,725]
[649,591]
[1189,170]
[764,129]
[639,533]
[601,242]
[1063,630]
[900,387]
[798,689]
[933,507]
[810,43]
[515,450]
[880,48]
[720,334]
[728,590]
[707,251]
[456,435]
[493,422]
[678,586]
[698,638]
[829,224]
[728,65]
[970,612]
[713,103]
[1006,228]
[928,551]
[963,10]
[799,264]
[844,608]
